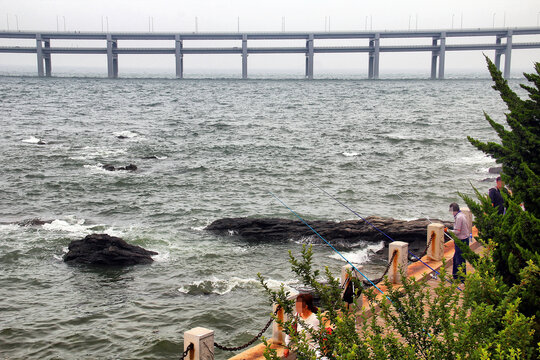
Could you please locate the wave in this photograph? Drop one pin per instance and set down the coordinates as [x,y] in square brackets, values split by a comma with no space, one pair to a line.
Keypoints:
[78,226]
[350,154]
[361,256]
[126,134]
[33,140]
[99,152]
[6,228]
[217,286]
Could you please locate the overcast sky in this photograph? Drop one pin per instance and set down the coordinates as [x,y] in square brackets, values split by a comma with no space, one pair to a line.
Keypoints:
[259,15]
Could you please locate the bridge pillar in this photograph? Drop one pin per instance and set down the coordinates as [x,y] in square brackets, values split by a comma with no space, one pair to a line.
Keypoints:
[244,56]
[498,54]
[309,57]
[374,57]
[442,51]
[179,57]
[370,62]
[112,57]
[508,54]
[434,56]
[39,51]
[47,57]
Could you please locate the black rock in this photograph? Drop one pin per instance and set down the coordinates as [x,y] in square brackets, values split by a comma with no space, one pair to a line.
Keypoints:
[495,170]
[102,249]
[33,222]
[130,167]
[110,167]
[351,231]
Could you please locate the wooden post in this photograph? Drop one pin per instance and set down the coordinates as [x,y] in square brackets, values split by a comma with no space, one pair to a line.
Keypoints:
[435,239]
[203,343]
[400,261]
[345,276]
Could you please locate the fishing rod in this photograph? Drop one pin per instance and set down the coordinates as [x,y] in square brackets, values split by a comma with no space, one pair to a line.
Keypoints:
[376,228]
[400,310]
[333,248]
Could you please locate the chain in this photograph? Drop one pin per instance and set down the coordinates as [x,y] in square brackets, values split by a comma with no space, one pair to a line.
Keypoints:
[188,349]
[433,235]
[255,338]
[378,280]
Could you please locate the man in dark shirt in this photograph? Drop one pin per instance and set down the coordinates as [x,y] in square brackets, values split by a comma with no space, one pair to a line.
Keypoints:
[496,197]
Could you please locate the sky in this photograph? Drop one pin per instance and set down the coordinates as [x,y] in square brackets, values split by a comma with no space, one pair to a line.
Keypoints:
[264,16]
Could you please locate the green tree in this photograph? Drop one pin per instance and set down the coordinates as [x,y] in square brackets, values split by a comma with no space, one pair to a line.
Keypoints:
[515,236]
[412,323]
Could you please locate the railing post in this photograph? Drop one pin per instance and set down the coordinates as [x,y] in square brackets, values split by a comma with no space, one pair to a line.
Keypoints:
[435,241]
[203,343]
[278,336]
[344,276]
[399,262]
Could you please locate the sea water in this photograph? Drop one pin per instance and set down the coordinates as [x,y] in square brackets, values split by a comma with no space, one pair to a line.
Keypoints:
[207,149]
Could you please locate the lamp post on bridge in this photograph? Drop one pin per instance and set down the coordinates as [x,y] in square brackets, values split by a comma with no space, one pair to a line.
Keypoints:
[494,20]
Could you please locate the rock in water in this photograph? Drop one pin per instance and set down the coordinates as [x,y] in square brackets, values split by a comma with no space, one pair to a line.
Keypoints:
[270,229]
[102,249]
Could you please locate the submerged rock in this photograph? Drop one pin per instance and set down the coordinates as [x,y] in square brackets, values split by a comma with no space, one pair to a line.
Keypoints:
[103,249]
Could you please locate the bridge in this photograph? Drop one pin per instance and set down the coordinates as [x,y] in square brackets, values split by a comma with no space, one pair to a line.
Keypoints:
[502,44]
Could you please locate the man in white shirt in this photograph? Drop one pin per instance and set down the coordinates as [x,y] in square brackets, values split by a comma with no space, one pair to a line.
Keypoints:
[461,230]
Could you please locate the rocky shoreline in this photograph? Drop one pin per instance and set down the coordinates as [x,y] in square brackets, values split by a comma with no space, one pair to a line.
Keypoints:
[340,234]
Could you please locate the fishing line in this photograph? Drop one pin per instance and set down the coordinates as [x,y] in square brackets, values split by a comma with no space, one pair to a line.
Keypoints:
[427,217]
[333,248]
[382,232]
[400,310]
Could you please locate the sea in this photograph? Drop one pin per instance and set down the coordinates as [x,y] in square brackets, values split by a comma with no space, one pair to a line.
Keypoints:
[205,149]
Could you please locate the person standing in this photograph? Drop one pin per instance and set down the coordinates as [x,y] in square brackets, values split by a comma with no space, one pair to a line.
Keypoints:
[461,230]
[496,197]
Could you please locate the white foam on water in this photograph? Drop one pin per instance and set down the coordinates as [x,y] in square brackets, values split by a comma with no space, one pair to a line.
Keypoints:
[6,228]
[31,140]
[79,227]
[126,133]
[361,256]
[350,154]
[71,225]
[162,256]
[90,152]
[225,286]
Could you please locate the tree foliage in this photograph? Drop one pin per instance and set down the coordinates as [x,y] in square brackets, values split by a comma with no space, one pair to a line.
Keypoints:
[409,323]
[515,236]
